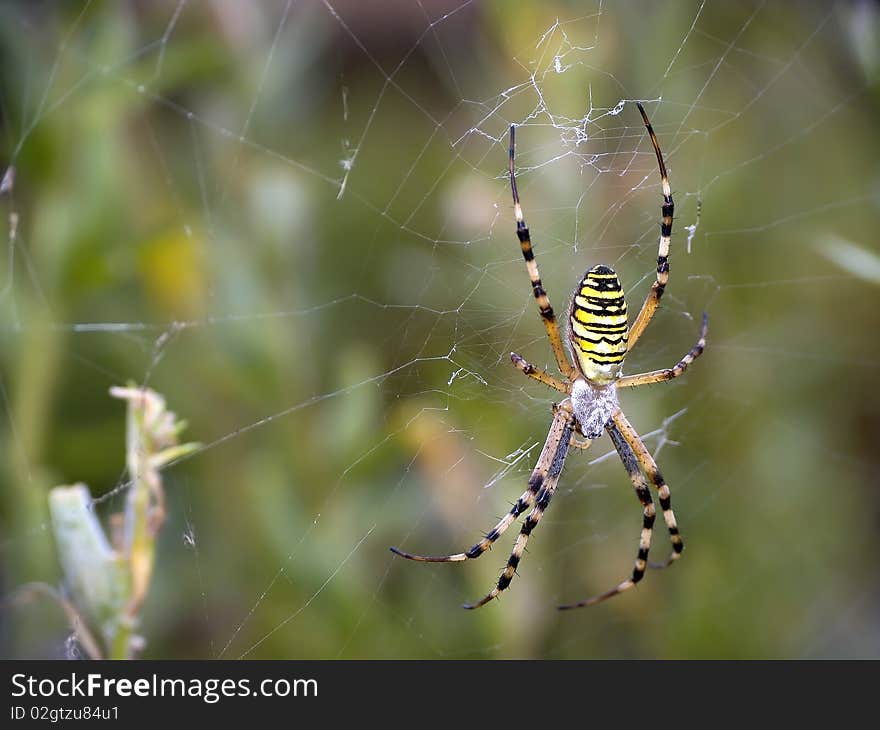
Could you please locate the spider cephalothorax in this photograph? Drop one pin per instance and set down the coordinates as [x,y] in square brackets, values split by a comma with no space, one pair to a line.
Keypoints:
[598,340]
[593,405]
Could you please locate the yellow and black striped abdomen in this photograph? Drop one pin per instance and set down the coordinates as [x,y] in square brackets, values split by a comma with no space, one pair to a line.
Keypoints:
[598,325]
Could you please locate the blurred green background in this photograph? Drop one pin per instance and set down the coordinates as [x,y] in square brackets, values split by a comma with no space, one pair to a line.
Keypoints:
[292,220]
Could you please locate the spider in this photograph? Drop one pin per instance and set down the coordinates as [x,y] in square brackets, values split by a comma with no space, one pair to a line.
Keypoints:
[598,339]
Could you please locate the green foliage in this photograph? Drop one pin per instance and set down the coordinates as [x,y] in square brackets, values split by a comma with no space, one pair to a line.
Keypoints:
[108,583]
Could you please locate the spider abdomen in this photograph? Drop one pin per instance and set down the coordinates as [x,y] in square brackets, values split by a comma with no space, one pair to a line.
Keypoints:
[598,325]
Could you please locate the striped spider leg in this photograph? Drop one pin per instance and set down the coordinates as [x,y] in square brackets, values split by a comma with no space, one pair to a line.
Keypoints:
[543,301]
[542,483]
[632,465]
[646,314]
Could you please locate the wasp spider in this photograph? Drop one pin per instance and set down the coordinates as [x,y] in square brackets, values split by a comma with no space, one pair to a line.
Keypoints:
[598,339]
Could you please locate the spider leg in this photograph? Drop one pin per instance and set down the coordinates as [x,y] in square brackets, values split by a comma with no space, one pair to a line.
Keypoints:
[560,429]
[660,376]
[527,368]
[550,478]
[522,232]
[657,288]
[631,463]
[650,466]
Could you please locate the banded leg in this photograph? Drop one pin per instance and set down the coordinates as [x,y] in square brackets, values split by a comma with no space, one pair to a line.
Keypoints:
[560,431]
[660,376]
[631,462]
[650,467]
[657,288]
[551,479]
[522,232]
[527,368]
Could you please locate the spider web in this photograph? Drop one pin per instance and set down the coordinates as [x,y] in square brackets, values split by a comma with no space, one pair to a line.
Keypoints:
[293,220]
